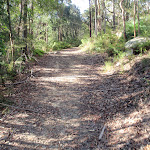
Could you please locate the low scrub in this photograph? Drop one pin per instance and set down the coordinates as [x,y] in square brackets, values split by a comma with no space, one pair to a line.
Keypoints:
[108,43]
[60,45]
[142,47]
[74,42]
[38,52]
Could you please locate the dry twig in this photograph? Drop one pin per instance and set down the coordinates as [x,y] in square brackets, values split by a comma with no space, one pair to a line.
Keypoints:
[102,132]
[20,108]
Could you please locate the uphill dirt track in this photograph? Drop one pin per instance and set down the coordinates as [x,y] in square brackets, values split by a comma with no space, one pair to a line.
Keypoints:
[68,102]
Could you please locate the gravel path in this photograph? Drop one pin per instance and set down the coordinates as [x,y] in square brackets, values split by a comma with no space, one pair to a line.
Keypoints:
[66,105]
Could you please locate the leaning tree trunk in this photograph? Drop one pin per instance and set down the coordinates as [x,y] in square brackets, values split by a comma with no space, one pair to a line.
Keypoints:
[123,18]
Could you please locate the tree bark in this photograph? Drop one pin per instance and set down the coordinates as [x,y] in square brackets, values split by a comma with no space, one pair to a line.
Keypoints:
[123,18]
[96,17]
[25,28]
[60,33]
[148,5]
[21,7]
[138,18]
[90,24]
[134,18]
[99,16]
[46,38]
[10,31]
[104,9]
[32,9]
[114,15]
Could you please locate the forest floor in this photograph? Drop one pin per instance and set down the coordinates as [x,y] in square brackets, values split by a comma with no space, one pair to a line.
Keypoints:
[70,104]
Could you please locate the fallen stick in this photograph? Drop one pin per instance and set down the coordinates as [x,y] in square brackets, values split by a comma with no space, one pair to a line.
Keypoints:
[19,108]
[6,137]
[16,83]
[102,132]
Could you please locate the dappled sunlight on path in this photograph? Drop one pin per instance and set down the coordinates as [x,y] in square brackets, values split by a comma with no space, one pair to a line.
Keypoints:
[69,103]
[54,93]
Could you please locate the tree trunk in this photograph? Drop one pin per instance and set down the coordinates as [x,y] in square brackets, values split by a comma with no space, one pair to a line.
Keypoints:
[148,5]
[99,16]
[123,18]
[29,21]
[134,18]
[138,18]
[46,33]
[21,7]
[60,33]
[96,17]
[92,19]
[90,25]
[114,15]
[10,30]
[25,28]
[104,9]
[32,9]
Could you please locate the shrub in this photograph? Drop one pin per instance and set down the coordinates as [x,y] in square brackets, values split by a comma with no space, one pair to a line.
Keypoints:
[60,45]
[108,43]
[38,52]
[74,42]
[144,28]
[108,66]
[143,47]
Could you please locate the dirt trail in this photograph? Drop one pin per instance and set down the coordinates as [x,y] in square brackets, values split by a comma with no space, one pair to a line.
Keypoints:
[71,102]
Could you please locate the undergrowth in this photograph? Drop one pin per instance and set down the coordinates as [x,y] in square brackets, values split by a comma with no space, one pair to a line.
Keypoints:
[114,45]
[60,45]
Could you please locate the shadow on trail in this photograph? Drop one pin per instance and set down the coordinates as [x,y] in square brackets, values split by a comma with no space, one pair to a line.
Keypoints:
[74,102]
[123,104]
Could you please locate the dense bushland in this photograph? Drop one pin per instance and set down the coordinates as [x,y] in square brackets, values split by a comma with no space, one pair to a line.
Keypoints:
[29,29]
[114,45]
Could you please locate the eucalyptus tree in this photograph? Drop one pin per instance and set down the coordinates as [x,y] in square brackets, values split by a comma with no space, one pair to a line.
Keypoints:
[96,17]
[99,16]
[90,23]
[123,18]
[114,14]
[25,32]
[138,18]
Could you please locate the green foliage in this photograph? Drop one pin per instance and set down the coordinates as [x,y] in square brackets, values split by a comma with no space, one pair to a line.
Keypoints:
[142,47]
[40,44]
[144,28]
[60,45]
[74,42]
[108,43]
[38,52]
[108,65]
[2,46]
[130,30]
